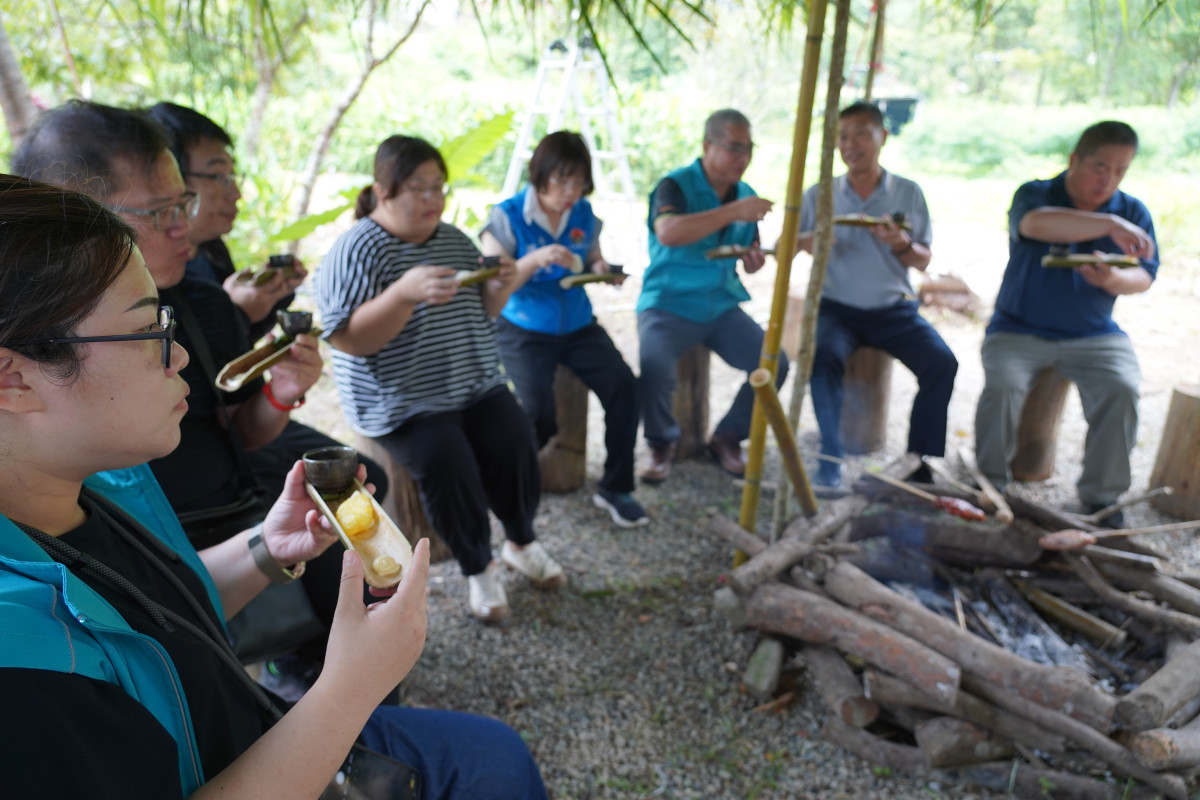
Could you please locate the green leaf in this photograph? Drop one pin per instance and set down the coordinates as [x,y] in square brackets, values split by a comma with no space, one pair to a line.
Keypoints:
[306,225]
[464,152]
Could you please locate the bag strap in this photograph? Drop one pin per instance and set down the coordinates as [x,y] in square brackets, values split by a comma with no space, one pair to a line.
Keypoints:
[198,346]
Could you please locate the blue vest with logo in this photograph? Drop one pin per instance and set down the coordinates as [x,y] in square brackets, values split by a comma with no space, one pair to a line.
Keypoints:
[680,280]
[541,305]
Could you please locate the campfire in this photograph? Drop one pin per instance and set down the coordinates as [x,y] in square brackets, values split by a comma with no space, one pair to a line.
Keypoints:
[1005,655]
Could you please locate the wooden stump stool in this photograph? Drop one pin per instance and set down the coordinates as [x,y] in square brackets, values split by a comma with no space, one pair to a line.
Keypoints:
[403,503]
[1037,432]
[564,458]
[690,403]
[867,386]
[1178,461]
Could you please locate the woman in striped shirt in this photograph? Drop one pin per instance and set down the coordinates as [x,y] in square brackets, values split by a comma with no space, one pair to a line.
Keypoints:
[417,369]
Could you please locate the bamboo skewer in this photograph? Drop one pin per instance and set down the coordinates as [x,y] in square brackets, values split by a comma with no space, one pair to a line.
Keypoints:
[1003,512]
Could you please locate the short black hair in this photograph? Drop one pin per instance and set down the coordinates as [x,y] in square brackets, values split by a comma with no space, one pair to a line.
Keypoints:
[186,127]
[1103,133]
[78,145]
[561,153]
[870,110]
[718,121]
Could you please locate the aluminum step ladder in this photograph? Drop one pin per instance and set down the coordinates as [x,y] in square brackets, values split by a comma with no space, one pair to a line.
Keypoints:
[583,85]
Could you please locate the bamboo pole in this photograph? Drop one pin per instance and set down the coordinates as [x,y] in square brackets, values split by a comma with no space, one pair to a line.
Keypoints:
[876,48]
[764,391]
[823,238]
[783,257]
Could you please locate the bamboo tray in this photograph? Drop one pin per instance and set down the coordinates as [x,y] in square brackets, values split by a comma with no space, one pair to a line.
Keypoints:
[386,540]
[865,221]
[736,251]
[1119,260]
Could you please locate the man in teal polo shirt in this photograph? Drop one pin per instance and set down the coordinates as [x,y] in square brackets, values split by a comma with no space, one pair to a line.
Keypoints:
[688,300]
[1062,318]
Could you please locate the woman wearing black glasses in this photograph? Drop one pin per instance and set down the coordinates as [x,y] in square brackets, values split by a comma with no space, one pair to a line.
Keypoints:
[116,679]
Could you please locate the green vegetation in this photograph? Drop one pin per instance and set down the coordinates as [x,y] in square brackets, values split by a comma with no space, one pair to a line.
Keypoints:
[998,104]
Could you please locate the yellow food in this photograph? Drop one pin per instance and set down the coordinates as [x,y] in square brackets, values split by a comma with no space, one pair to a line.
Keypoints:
[385,566]
[356,515]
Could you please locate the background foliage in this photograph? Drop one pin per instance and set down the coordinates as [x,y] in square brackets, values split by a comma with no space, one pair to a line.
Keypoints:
[998,104]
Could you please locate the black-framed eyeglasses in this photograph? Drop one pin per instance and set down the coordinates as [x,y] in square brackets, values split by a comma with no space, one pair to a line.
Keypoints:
[225,179]
[165,326]
[167,216]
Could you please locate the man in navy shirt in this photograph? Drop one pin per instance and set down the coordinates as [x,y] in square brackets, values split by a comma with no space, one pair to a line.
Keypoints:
[1062,318]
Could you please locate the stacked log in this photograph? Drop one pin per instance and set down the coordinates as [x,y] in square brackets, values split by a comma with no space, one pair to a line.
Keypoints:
[927,696]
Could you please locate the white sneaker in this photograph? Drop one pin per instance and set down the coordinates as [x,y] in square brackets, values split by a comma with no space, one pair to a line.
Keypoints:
[487,598]
[534,563]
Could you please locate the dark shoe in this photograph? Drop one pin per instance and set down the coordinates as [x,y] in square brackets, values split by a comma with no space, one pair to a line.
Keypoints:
[624,510]
[922,475]
[829,475]
[657,465]
[1114,521]
[726,450]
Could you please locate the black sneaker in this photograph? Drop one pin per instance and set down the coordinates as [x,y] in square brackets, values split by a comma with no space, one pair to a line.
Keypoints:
[624,510]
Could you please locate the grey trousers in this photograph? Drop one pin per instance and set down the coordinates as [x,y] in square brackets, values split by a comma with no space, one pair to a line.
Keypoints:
[664,337]
[1106,371]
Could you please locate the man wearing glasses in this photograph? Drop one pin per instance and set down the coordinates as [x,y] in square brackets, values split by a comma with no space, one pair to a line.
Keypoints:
[204,151]
[689,299]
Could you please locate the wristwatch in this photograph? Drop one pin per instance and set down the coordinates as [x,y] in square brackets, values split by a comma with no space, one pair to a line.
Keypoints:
[267,564]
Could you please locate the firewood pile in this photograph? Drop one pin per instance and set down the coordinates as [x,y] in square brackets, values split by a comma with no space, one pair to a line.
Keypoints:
[968,652]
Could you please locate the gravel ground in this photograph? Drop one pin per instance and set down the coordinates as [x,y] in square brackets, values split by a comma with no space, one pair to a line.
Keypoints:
[626,684]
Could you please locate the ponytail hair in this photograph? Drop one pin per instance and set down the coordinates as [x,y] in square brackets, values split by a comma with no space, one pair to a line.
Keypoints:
[365,203]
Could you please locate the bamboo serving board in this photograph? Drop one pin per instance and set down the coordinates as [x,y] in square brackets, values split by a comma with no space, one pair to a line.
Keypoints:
[572,281]
[864,221]
[736,251]
[385,540]
[249,366]
[1079,259]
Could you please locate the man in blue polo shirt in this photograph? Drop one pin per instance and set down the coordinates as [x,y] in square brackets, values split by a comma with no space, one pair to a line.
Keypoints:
[1062,318]
[688,299]
[867,300]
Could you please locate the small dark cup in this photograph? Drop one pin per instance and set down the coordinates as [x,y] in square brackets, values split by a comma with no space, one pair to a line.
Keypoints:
[281,260]
[331,469]
[294,322]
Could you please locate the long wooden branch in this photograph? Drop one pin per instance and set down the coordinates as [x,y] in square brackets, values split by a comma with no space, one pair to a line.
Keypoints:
[805,616]
[1150,612]
[1051,686]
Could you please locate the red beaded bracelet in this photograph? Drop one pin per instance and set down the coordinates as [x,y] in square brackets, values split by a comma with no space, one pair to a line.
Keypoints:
[278,405]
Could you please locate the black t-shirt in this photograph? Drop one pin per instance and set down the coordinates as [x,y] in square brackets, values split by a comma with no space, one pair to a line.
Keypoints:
[71,736]
[202,472]
[214,263]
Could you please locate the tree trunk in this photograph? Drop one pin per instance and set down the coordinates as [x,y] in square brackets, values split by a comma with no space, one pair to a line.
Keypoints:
[841,690]
[1164,748]
[1152,703]
[564,458]
[876,49]
[690,402]
[1037,432]
[1178,461]
[15,99]
[951,742]
[325,137]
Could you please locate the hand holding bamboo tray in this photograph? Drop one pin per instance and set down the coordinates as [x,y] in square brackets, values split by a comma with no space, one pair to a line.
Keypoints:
[490,269]
[356,517]
[736,251]
[276,265]
[1119,260]
[615,273]
[249,366]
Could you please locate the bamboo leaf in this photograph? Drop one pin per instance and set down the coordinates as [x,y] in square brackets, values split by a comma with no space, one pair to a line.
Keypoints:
[464,152]
[309,223]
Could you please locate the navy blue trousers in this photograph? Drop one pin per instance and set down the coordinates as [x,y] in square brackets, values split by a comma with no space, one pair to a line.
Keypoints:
[904,334]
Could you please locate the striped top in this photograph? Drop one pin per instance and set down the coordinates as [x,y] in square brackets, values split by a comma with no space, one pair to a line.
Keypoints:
[443,359]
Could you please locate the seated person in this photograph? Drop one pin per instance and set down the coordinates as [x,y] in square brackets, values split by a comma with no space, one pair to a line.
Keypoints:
[688,299]
[1062,318]
[549,227]
[867,300]
[120,157]
[417,369]
[205,155]
[134,692]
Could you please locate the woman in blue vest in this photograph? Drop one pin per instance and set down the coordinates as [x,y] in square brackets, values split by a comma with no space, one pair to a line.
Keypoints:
[550,229]
[116,677]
